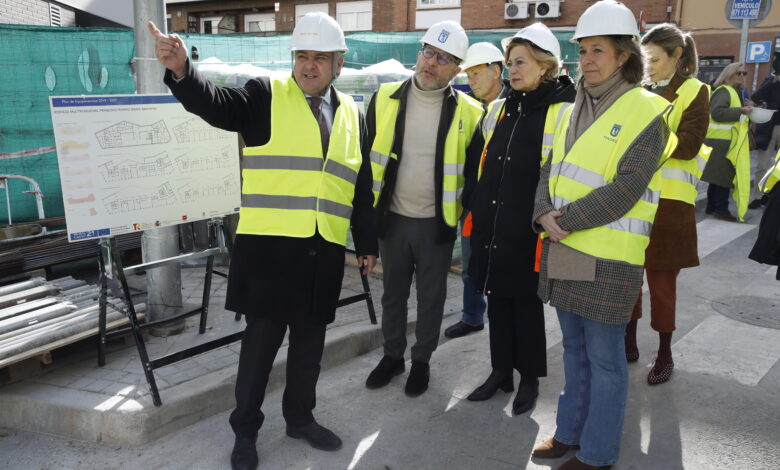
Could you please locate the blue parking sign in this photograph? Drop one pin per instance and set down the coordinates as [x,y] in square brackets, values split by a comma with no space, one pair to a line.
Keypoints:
[758,52]
[745,9]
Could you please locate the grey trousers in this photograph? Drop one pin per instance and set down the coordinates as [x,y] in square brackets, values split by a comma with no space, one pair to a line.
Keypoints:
[409,249]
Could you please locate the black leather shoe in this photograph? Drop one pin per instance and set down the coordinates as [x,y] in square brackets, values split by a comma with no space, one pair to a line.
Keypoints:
[525,399]
[384,372]
[497,379]
[461,329]
[244,455]
[417,382]
[316,435]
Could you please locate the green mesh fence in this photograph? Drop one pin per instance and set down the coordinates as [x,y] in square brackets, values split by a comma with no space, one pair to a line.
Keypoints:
[364,48]
[38,62]
[35,63]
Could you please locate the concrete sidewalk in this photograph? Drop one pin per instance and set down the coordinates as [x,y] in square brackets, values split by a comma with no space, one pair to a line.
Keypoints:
[113,404]
[720,410]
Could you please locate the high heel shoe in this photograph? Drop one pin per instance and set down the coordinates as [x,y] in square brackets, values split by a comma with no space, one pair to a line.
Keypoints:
[497,379]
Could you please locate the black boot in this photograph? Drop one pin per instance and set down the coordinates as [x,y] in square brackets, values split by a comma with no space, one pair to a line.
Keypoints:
[525,399]
[384,372]
[497,379]
[244,455]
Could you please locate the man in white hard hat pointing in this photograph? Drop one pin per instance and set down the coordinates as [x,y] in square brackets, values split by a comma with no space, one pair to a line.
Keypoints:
[425,141]
[305,182]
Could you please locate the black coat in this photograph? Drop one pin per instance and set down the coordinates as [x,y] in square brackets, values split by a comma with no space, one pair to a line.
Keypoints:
[768,94]
[297,280]
[503,244]
[767,247]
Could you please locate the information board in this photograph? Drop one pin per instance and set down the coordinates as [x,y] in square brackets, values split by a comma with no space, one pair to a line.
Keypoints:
[134,162]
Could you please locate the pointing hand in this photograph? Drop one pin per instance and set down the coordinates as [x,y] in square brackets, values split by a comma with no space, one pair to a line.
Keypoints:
[170,51]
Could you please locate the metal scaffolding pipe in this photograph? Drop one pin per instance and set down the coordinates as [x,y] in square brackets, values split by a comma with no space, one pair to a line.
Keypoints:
[66,329]
[20,286]
[30,318]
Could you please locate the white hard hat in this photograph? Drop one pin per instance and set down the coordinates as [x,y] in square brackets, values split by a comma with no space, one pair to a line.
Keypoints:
[606,18]
[448,36]
[317,31]
[481,53]
[541,37]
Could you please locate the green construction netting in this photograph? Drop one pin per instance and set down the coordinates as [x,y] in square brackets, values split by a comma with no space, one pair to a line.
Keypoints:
[37,62]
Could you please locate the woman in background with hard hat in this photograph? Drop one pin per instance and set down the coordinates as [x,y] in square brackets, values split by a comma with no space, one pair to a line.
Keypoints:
[518,131]
[670,70]
[728,136]
[596,201]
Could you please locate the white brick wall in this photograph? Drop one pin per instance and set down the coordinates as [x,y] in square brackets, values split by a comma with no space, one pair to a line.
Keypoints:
[35,12]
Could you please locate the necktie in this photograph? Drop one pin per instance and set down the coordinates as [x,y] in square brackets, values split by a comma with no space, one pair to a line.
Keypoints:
[314,102]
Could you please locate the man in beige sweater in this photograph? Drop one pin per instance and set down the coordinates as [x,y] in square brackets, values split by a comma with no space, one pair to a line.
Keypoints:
[425,142]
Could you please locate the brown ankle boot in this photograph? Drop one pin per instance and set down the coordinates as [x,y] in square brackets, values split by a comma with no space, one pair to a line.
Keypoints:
[551,449]
[575,464]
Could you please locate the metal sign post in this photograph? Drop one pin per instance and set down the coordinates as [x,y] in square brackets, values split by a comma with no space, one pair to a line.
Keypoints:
[744,10]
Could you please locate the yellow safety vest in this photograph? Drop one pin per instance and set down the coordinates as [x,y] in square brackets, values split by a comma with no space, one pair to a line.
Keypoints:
[739,150]
[592,163]
[464,123]
[496,111]
[680,177]
[771,177]
[289,189]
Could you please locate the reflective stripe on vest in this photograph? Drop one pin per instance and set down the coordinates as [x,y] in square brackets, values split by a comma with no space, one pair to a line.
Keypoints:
[495,113]
[554,115]
[725,130]
[739,150]
[679,178]
[289,189]
[464,123]
[592,163]
[771,177]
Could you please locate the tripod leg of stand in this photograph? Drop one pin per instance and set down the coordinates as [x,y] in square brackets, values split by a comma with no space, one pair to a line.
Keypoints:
[369,300]
[102,307]
[204,312]
[139,340]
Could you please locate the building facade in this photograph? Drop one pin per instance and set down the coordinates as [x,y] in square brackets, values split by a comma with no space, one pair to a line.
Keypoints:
[245,16]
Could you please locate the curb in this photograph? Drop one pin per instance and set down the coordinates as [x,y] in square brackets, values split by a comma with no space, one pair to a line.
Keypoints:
[85,416]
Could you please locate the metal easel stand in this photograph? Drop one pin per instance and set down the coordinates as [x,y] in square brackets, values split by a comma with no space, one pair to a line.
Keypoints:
[365,295]
[111,268]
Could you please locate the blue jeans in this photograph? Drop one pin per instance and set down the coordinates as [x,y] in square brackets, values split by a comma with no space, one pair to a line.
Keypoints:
[593,401]
[473,303]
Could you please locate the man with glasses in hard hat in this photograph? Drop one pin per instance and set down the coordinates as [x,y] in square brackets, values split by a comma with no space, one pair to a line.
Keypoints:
[425,141]
[305,181]
[484,67]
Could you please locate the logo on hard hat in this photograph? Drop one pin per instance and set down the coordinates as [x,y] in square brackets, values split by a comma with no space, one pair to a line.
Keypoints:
[615,130]
[443,36]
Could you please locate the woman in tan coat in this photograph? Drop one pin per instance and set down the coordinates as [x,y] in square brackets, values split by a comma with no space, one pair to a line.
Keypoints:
[670,69]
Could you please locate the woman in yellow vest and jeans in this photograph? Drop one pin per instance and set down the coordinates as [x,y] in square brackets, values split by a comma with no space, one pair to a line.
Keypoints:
[596,201]
[670,70]
[726,109]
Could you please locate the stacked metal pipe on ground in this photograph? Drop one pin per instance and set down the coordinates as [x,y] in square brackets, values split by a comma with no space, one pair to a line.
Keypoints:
[37,312]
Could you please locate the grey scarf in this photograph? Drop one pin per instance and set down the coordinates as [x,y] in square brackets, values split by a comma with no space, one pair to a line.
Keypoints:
[592,101]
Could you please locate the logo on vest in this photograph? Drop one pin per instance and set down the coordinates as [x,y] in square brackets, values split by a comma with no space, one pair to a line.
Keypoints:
[443,36]
[460,125]
[615,130]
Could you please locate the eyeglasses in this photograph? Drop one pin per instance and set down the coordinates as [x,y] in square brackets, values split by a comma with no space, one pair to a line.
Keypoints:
[741,74]
[441,57]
